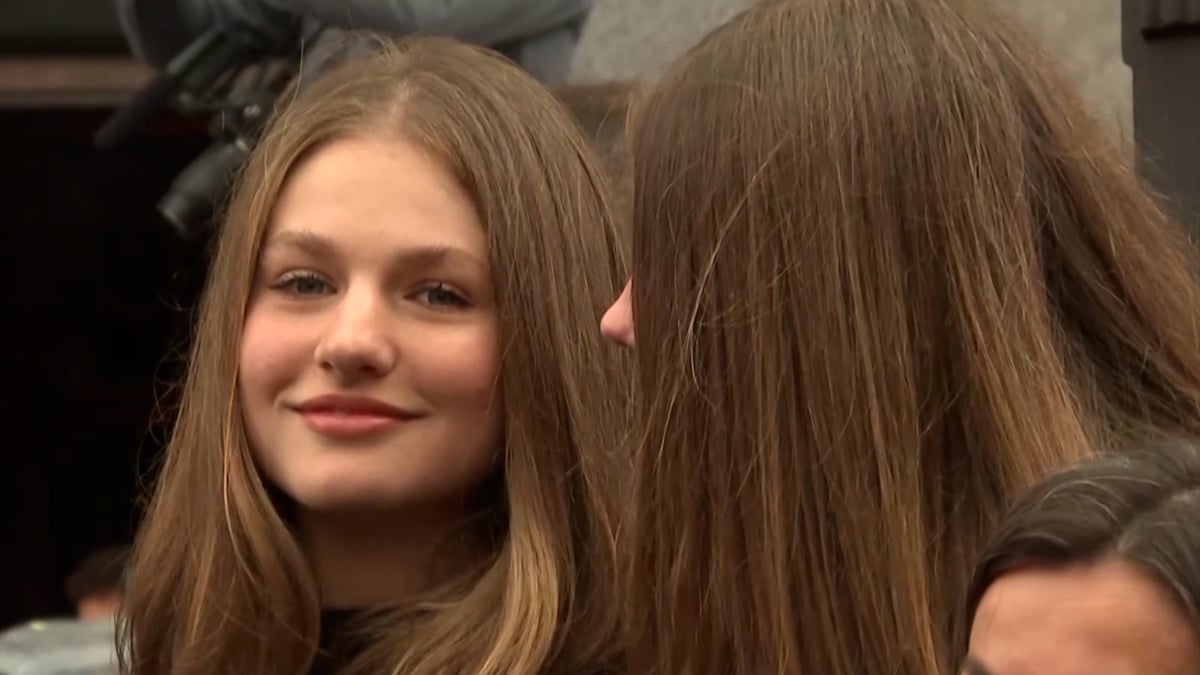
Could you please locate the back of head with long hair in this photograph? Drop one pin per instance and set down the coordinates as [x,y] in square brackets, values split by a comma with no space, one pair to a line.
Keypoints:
[219,583]
[886,272]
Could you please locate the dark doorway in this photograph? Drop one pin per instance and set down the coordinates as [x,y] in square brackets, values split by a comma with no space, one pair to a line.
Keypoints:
[98,293]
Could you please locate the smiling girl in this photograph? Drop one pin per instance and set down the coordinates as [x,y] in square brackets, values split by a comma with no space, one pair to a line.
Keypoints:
[396,450]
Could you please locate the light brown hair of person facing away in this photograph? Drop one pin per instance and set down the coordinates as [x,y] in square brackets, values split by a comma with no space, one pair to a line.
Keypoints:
[1141,507]
[220,584]
[886,273]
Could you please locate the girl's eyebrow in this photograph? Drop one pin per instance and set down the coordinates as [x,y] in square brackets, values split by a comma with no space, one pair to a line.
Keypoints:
[423,256]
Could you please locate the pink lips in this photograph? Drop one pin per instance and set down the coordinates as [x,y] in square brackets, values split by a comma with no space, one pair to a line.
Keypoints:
[352,416]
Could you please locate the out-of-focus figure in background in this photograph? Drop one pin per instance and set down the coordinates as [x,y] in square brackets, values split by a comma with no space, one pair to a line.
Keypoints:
[80,646]
[229,59]
[540,35]
[95,585]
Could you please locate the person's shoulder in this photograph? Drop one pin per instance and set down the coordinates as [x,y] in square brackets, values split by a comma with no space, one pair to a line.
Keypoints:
[59,647]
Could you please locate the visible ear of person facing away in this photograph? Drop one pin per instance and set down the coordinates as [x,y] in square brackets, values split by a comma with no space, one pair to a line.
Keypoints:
[1096,569]
[886,273]
[398,448]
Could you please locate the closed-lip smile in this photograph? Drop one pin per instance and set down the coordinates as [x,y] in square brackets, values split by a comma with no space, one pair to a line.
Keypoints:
[352,416]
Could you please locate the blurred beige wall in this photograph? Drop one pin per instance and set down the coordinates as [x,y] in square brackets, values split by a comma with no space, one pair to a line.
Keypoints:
[629,39]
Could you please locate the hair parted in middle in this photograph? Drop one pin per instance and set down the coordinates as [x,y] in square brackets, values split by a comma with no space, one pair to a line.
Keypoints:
[220,584]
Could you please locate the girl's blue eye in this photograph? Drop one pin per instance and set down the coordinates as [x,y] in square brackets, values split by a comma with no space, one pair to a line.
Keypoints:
[302,283]
[442,296]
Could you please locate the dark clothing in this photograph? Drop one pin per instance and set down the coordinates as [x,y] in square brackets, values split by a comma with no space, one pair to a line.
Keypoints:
[337,647]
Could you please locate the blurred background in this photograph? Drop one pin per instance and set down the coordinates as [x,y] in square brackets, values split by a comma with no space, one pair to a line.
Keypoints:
[98,289]
[628,39]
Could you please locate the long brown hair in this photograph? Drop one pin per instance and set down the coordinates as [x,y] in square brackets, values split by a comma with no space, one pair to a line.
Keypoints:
[886,272]
[219,583]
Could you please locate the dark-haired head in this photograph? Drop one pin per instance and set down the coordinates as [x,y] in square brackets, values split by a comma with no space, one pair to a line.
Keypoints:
[1097,565]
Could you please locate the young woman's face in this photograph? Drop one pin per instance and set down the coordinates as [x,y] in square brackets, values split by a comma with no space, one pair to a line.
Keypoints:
[1109,617]
[370,356]
[617,322]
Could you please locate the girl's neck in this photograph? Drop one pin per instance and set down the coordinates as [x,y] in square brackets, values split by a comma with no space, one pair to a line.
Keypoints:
[378,559]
